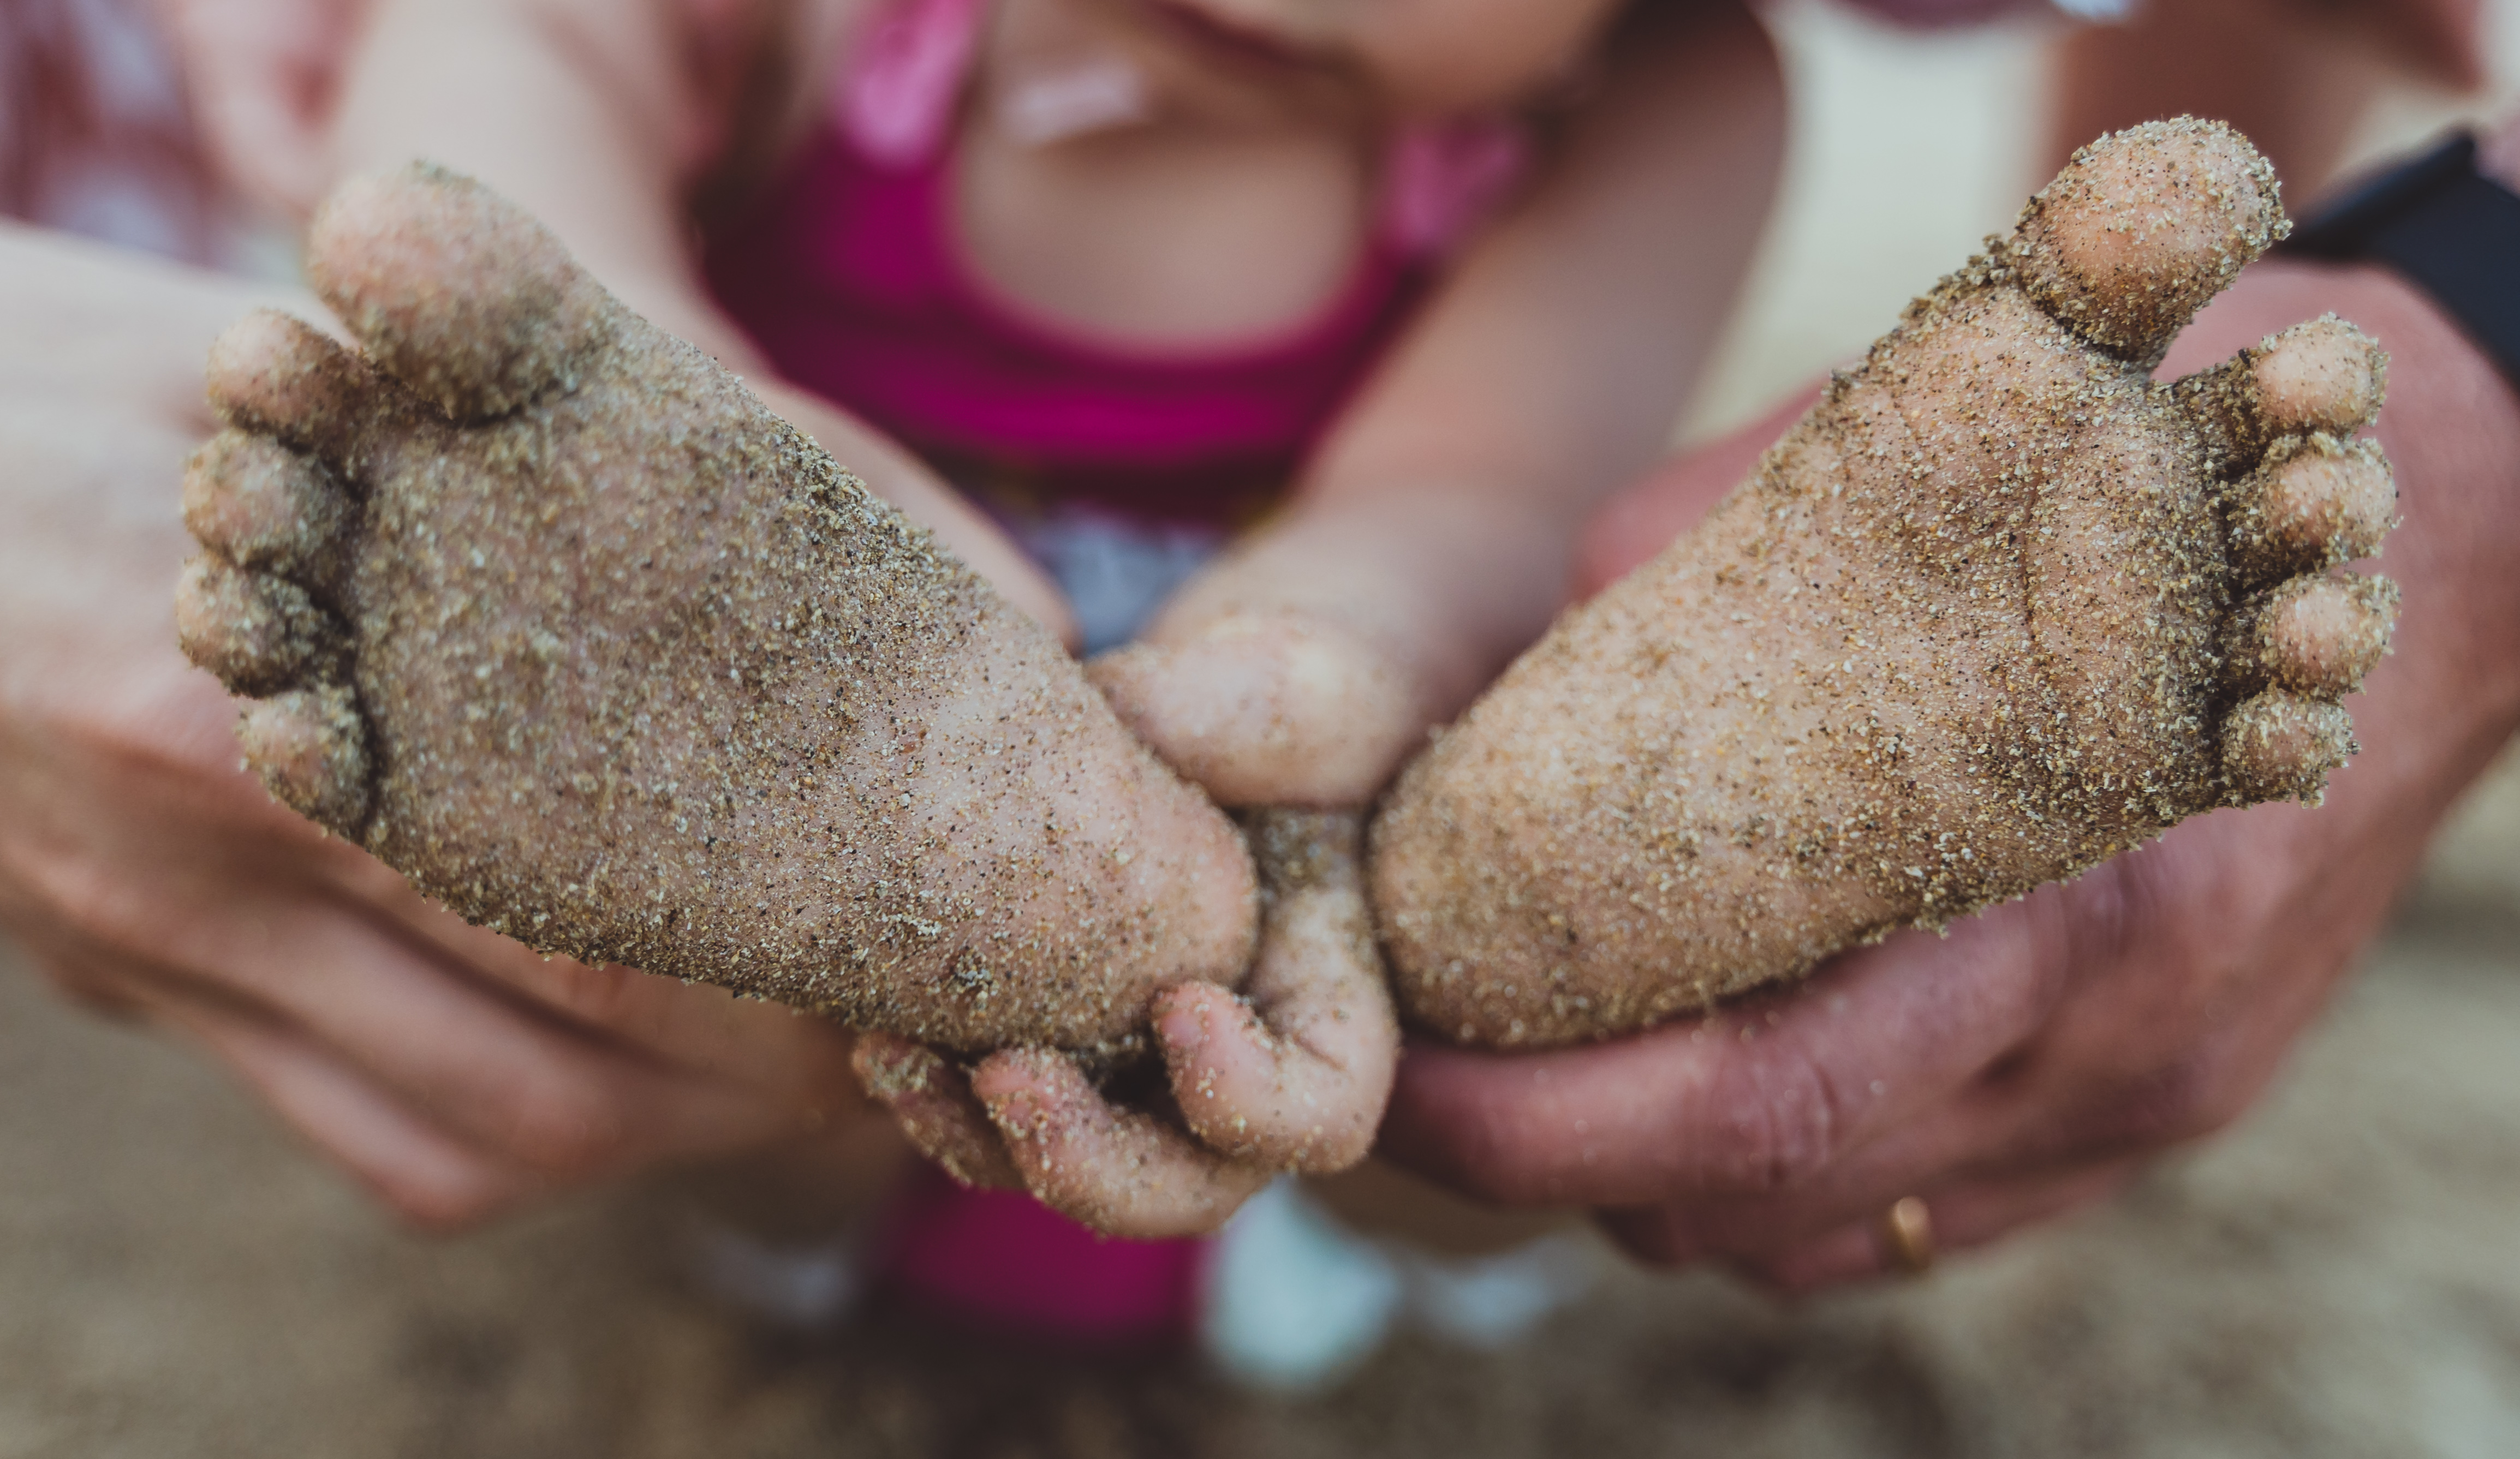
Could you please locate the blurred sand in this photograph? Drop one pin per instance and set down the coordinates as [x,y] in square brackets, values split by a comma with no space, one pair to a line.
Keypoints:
[2339,1277]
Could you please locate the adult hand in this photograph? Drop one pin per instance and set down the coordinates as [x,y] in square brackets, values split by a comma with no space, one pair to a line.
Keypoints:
[2035,1058]
[453,1071]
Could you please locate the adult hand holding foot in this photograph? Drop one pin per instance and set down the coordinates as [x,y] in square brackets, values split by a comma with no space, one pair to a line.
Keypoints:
[2035,1058]
[542,607]
[450,1069]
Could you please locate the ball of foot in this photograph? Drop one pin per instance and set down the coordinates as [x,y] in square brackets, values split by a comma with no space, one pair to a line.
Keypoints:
[1999,608]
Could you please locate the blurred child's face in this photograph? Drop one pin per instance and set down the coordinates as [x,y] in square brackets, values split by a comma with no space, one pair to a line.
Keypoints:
[1422,56]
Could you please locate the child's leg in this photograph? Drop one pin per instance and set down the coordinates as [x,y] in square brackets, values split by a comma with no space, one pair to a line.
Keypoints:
[1998,608]
[544,609]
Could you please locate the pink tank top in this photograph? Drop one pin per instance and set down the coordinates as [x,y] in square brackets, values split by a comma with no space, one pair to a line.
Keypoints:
[849,276]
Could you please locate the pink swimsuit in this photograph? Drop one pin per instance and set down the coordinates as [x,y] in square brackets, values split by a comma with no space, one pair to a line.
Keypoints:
[849,276]
[1119,468]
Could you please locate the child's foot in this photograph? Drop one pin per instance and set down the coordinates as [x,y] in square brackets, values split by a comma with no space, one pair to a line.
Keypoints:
[544,609]
[1998,608]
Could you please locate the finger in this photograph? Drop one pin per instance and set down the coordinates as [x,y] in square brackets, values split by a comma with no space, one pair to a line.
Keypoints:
[1296,1077]
[1122,1171]
[479,1062]
[91,988]
[933,1101]
[782,1053]
[1967,1215]
[489,1072]
[428,1177]
[1971,1136]
[1757,1097]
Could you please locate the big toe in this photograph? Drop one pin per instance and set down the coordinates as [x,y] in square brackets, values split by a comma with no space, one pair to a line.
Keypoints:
[2143,227]
[456,292]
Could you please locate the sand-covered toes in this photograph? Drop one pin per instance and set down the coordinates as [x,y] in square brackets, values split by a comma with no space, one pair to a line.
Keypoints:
[1997,608]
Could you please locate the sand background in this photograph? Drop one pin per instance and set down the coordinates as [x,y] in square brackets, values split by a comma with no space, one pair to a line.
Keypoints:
[2339,1275]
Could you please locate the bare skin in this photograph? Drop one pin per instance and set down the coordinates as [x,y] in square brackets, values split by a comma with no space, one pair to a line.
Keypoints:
[1233,209]
[1291,1073]
[1305,667]
[545,610]
[451,1070]
[1997,608]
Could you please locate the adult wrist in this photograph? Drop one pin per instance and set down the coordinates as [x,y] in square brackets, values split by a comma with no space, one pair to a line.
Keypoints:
[2446,221]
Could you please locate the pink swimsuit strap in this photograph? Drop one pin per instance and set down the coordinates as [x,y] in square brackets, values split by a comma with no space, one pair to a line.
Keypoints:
[851,276]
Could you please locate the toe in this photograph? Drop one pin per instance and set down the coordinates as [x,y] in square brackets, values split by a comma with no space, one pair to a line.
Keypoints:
[259,634]
[1122,1171]
[2324,376]
[2279,745]
[456,292]
[310,747]
[261,505]
[2143,227]
[1263,710]
[2313,502]
[1297,1077]
[2316,636]
[280,376]
[934,1102]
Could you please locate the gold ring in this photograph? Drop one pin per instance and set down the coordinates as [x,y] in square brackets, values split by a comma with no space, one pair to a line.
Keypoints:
[1907,1231]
